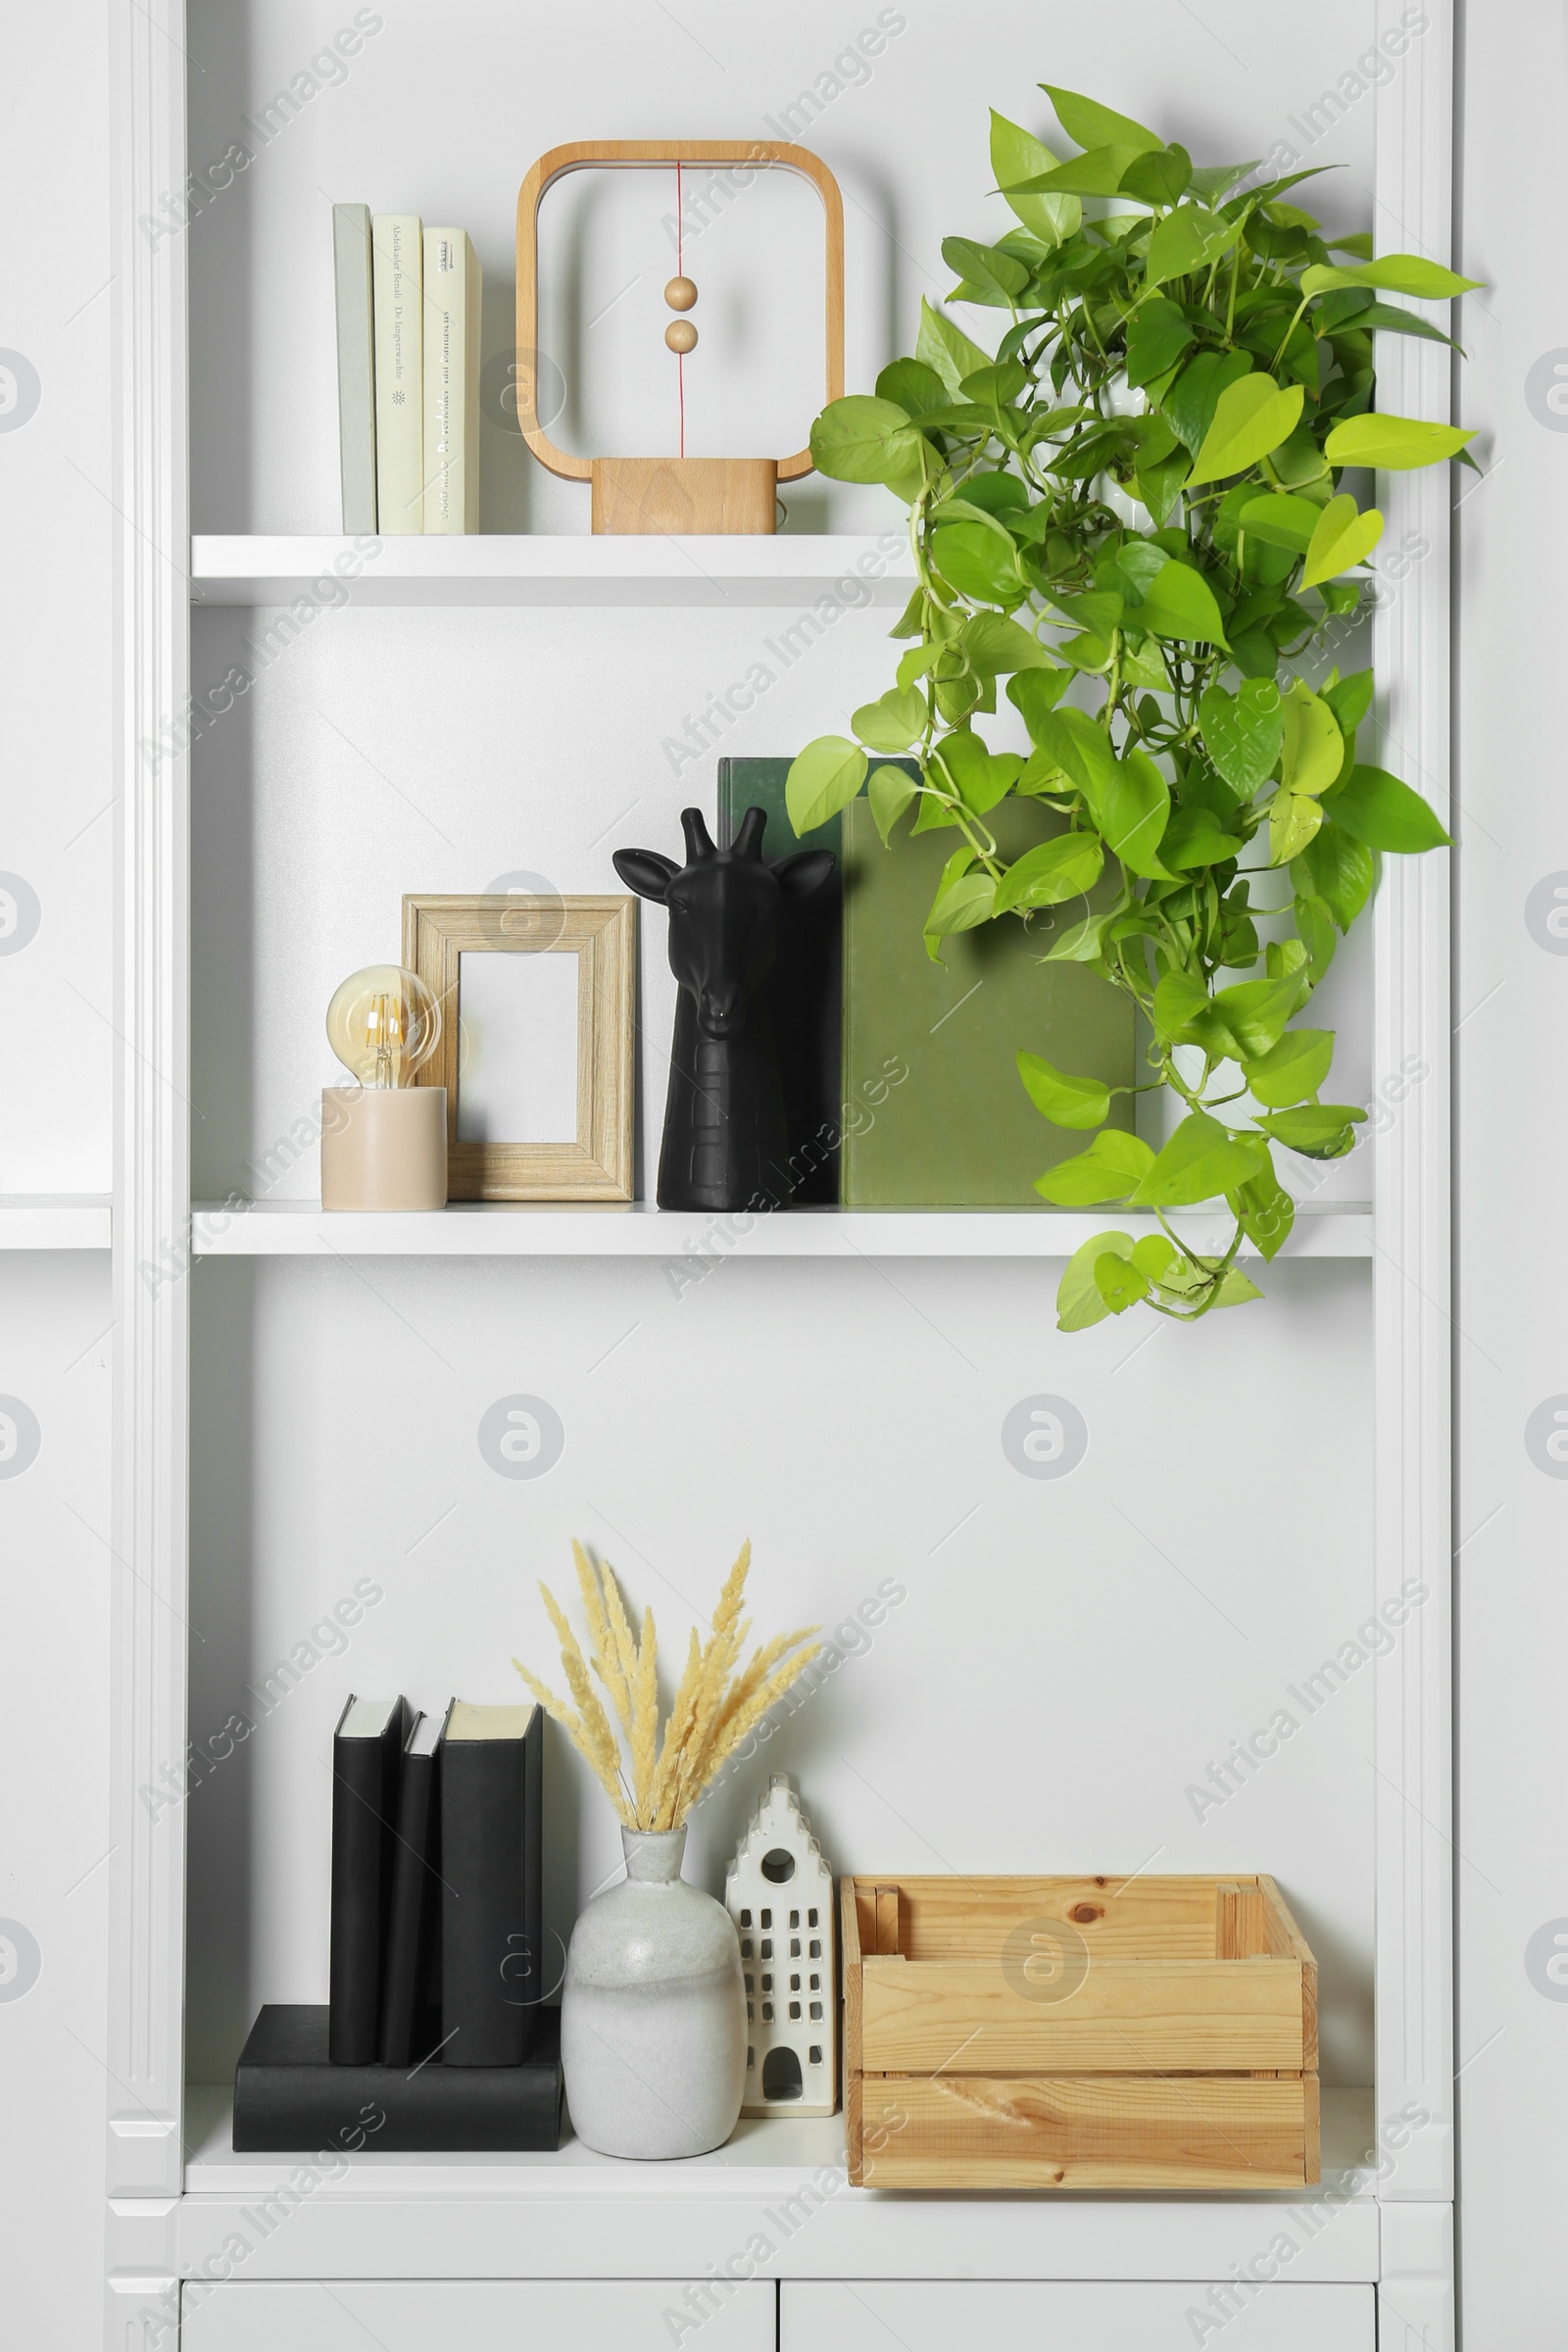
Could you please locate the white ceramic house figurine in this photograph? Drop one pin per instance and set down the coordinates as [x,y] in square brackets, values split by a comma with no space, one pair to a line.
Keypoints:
[780,1892]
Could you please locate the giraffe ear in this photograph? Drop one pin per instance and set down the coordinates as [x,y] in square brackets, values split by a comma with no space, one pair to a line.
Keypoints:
[647,872]
[799,876]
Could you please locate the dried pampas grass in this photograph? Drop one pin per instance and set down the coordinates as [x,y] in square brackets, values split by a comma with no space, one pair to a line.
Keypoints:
[716,1702]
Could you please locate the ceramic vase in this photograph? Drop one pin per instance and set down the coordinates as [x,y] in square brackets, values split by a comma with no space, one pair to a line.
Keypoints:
[652,2013]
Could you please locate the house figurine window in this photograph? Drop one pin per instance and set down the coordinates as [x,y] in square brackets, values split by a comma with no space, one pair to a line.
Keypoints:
[780,1892]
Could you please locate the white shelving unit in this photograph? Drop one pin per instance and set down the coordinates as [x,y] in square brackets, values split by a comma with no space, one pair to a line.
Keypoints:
[299,1229]
[542,2216]
[54,1221]
[785,571]
[177,2195]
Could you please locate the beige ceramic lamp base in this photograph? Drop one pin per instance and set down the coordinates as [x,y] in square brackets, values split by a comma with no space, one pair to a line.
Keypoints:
[383,1148]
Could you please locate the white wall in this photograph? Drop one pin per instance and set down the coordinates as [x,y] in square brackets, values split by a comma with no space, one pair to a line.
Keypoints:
[1510,1006]
[56,1042]
[56,1030]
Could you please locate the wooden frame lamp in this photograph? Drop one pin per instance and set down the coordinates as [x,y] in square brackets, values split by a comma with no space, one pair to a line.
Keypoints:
[672,494]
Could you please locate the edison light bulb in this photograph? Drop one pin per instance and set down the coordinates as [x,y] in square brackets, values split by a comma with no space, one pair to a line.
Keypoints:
[383,1024]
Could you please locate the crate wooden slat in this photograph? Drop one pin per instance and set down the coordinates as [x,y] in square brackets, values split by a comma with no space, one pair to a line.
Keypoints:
[1166,2038]
[1086,2131]
[1128,2017]
[944,1919]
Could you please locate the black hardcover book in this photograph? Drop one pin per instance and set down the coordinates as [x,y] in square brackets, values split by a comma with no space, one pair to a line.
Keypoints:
[803,991]
[366,1753]
[411,1993]
[288,2096]
[492,1924]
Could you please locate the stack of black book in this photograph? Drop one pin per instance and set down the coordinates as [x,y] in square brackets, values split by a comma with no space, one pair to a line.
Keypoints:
[436,2035]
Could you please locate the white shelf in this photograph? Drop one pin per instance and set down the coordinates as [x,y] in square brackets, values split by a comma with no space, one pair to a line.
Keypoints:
[769,2155]
[54,1221]
[575,2213]
[790,573]
[302,1229]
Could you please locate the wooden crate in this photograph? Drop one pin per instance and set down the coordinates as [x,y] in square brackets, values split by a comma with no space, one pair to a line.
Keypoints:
[1158,2033]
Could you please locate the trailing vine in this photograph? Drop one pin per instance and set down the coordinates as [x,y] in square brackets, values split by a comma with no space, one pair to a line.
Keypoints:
[1135,514]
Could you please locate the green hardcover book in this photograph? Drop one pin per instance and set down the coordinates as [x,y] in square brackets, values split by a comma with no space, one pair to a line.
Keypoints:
[802,992]
[935,1113]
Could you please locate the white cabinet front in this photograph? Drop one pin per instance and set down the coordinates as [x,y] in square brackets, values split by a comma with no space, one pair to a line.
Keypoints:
[481,2315]
[1165,2316]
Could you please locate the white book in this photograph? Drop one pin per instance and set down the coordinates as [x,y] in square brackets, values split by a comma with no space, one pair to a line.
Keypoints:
[356,365]
[398,266]
[451,303]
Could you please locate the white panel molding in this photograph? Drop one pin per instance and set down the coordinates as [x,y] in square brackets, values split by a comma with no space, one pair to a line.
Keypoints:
[143,2314]
[1412,1171]
[1415,2291]
[144,2060]
[142,2288]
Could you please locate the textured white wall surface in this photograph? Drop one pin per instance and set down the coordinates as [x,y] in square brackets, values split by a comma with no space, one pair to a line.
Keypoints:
[56,1044]
[1510,1006]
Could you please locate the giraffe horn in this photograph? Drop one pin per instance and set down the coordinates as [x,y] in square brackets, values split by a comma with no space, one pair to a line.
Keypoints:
[699,842]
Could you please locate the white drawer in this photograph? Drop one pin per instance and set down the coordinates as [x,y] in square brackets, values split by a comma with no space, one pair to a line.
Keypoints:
[481,2315]
[879,2315]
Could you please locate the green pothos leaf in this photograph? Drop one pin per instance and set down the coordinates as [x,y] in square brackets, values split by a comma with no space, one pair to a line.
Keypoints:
[1066,1101]
[890,792]
[1080,1302]
[1110,1170]
[824,779]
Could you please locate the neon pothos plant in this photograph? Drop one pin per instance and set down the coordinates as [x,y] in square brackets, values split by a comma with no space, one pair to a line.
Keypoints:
[1142,496]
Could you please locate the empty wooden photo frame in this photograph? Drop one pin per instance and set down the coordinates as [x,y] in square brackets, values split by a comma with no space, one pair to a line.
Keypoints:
[537,1000]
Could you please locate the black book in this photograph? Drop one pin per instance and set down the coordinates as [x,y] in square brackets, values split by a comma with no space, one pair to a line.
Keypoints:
[411,1993]
[492,1927]
[803,990]
[366,1753]
[288,2096]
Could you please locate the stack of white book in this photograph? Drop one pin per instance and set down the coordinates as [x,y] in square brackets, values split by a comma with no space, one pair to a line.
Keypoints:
[408,372]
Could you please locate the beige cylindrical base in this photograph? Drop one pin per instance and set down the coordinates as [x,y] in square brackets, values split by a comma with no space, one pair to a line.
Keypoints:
[383,1148]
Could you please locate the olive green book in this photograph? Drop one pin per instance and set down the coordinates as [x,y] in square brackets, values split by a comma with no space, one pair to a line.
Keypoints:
[935,1115]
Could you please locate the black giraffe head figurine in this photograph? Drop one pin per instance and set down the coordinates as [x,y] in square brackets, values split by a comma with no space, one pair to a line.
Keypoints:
[725,1140]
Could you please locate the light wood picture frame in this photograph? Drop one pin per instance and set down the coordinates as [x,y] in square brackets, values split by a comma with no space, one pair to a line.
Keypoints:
[602,934]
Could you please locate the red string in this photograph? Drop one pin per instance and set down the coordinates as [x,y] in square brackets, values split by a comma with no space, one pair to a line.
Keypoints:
[680,272]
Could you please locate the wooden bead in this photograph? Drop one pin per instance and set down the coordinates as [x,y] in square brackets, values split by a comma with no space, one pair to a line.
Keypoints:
[681,335]
[680,293]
